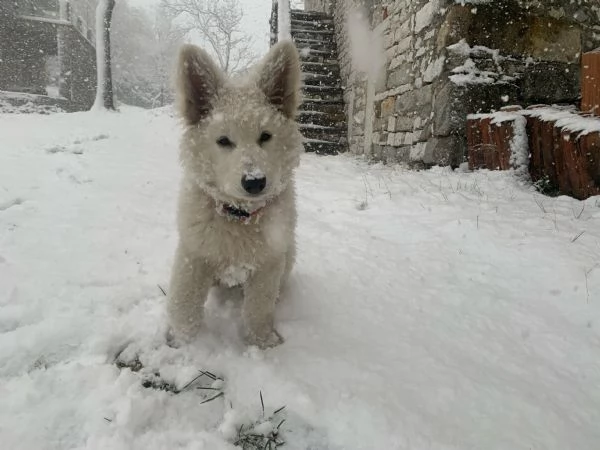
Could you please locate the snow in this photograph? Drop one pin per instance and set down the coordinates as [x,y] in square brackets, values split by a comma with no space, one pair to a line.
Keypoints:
[468,73]
[21,103]
[566,119]
[519,147]
[236,275]
[254,174]
[428,310]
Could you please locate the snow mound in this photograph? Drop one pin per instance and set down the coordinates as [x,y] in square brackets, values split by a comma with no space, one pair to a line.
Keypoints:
[427,310]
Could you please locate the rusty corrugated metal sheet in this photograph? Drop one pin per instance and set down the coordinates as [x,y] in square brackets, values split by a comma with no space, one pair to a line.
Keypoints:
[590,82]
[569,160]
[582,163]
[489,143]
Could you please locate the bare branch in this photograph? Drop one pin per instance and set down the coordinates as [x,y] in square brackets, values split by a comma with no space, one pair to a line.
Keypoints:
[219,24]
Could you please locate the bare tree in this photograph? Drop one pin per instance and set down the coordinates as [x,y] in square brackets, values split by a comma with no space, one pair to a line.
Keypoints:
[104,91]
[218,23]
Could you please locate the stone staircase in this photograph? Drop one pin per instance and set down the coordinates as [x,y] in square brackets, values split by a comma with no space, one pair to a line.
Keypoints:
[322,117]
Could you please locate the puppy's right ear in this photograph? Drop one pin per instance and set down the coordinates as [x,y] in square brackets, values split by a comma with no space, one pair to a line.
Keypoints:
[198,83]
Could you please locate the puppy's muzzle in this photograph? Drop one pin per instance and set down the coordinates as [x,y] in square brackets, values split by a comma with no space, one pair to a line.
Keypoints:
[254,185]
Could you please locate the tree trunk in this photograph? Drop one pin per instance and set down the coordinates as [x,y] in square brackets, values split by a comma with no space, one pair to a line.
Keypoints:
[104,92]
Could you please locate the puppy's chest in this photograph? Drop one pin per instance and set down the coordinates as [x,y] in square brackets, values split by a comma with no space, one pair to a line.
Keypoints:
[240,254]
[236,244]
[235,275]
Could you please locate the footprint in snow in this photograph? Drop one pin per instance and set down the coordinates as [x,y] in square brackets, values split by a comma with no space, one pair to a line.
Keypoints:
[64,149]
[75,147]
[67,174]
[98,137]
[10,203]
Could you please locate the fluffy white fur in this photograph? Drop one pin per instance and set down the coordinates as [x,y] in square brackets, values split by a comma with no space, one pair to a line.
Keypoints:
[215,248]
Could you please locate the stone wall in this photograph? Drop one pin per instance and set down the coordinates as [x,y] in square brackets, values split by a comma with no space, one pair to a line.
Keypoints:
[26,45]
[443,60]
[78,69]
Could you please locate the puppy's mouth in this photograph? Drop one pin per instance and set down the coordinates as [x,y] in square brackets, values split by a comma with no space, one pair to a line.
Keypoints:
[234,211]
[239,214]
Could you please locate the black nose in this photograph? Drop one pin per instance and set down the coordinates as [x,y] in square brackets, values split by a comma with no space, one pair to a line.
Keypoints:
[253,185]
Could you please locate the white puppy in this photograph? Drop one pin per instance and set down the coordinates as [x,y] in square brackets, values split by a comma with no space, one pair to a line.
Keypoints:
[237,209]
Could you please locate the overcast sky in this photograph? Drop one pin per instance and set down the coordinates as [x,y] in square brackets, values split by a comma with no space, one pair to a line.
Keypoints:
[256,19]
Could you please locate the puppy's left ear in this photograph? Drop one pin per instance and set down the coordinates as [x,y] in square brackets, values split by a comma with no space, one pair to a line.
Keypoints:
[279,78]
[198,83]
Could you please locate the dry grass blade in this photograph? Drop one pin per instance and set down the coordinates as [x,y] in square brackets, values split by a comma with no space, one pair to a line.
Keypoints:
[250,438]
[262,403]
[277,411]
[196,378]
[220,394]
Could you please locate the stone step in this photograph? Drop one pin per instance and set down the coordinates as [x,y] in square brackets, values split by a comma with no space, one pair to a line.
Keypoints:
[317,33]
[319,93]
[323,147]
[314,43]
[315,79]
[331,134]
[320,53]
[321,36]
[301,14]
[311,57]
[321,97]
[321,68]
[324,105]
[323,119]
[317,24]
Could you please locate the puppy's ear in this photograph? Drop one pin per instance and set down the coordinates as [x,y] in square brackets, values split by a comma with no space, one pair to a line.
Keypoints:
[198,83]
[279,78]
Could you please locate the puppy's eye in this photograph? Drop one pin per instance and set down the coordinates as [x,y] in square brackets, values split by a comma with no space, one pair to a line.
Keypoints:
[265,136]
[224,141]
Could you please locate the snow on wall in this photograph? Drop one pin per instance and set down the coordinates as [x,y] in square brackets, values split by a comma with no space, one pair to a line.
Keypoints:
[567,120]
[519,147]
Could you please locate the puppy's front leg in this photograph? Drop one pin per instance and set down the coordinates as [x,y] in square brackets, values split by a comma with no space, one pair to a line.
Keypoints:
[191,280]
[260,295]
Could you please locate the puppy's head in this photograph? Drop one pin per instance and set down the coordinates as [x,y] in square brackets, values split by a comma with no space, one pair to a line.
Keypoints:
[241,142]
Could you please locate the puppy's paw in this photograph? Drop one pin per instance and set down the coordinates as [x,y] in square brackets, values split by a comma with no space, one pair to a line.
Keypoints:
[172,340]
[266,340]
[177,337]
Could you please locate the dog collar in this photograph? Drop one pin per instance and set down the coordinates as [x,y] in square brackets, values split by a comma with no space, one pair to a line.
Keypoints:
[234,213]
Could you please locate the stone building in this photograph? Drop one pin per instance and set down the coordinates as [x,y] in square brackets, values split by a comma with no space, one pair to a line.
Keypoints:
[33,32]
[430,63]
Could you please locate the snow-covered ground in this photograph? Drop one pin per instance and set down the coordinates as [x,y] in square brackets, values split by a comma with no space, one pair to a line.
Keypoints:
[428,310]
